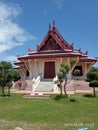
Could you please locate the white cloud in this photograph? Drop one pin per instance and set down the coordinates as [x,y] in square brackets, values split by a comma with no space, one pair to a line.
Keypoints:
[7,11]
[59,4]
[10,58]
[11,34]
[3,48]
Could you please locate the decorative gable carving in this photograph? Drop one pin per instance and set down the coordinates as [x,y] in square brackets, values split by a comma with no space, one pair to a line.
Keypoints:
[54,41]
[51,45]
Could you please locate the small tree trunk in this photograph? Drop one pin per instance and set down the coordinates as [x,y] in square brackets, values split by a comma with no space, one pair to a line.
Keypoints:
[8,91]
[61,89]
[65,90]
[3,91]
[65,86]
[60,86]
[94,91]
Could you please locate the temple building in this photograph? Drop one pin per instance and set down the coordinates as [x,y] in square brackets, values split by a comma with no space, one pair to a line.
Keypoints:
[45,61]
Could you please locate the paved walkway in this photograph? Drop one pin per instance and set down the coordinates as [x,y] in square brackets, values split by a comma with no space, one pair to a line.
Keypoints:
[48,93]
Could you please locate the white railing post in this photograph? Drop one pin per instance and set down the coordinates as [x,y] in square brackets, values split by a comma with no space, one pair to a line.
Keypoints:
[35,83]
[55,87]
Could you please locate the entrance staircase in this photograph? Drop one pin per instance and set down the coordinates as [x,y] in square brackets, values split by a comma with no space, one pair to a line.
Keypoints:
[49,86]
[45,86]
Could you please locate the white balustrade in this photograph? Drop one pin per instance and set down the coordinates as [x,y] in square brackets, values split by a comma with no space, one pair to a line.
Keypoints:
[35,83]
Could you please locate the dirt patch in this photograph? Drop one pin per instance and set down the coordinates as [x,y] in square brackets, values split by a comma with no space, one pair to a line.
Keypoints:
[21,125]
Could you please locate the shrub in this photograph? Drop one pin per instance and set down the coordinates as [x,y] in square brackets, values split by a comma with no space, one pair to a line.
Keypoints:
[72,61]
[92,76]
[93,83]
[76,72]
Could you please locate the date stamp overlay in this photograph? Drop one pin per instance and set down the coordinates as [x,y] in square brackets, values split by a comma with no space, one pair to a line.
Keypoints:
[79,126]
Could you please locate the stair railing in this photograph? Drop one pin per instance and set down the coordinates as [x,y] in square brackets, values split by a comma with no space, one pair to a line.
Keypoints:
[35,83]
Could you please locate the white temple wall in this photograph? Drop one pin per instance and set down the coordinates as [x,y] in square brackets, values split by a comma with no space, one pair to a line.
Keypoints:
[36,67]
[41,68]
[23,74]
[84,68]
[41,65]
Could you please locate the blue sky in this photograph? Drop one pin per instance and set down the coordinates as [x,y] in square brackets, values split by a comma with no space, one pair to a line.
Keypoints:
[24,23]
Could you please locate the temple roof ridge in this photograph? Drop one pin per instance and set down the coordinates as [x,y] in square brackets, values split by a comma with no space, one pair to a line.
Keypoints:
[56,36]
[54,25]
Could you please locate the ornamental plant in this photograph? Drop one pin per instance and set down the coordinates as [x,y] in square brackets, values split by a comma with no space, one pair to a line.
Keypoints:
[62,77]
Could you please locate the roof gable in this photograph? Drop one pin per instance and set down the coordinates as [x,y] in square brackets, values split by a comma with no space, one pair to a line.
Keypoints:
[53,41]
[50,44]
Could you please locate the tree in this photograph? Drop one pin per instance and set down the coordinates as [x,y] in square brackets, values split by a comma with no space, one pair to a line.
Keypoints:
[72,61]
[76,72]
[92,75]
[93,84]
[7,75]
[62,76]
[92,78]
[12,75]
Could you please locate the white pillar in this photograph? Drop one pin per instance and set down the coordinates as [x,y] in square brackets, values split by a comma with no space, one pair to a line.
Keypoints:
[36,68]
[30,69]
[69,74]
[85,69]
[68,61]
[61,60]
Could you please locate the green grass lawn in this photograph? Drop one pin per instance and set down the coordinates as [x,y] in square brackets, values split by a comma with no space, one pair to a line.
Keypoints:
[48,114]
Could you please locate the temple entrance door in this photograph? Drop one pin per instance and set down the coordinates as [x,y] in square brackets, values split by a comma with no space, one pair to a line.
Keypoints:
[49,69]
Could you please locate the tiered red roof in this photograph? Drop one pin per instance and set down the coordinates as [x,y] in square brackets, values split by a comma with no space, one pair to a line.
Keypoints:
[54,45]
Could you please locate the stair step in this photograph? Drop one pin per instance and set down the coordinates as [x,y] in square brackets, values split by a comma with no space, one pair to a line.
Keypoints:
[45,87]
